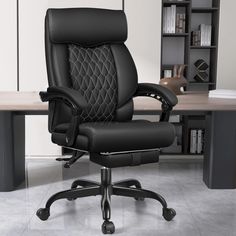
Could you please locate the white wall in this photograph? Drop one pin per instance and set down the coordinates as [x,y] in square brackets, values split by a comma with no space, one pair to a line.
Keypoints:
[144,37]
[226,78]
[33,75]
[8,46]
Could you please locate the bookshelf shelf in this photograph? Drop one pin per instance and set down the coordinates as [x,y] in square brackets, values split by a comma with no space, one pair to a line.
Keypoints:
[177,3]
[169,66]
[204,9]
[175,34]
[203,47]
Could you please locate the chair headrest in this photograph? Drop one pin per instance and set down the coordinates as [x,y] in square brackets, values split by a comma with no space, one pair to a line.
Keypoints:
[86,26]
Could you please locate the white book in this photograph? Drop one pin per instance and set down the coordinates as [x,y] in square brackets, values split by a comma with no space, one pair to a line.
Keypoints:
[173,18]
[167,73]
[164,19]
[222,96]
[222,93]
[199,141]
[168,19]
[209,34]
[193,141]
[202,35]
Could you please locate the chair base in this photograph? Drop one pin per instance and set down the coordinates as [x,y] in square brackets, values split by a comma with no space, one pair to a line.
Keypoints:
[127,188]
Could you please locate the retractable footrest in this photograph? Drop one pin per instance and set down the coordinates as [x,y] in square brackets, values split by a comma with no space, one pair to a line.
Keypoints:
[112,160]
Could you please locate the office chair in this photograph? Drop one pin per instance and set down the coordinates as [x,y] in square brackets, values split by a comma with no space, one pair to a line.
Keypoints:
[92,82]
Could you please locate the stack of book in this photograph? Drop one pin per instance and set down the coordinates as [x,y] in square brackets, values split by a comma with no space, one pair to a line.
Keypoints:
[222,93]
[180,22]
[196,141]
[173,22]
[202,37]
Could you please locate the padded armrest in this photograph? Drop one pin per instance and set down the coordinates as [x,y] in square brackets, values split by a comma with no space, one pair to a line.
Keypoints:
[149,89]
[73,97]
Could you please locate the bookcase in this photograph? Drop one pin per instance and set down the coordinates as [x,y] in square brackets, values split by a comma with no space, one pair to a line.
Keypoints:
[198,55]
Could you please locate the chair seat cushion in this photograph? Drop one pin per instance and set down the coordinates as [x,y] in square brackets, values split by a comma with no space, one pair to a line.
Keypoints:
[127,136]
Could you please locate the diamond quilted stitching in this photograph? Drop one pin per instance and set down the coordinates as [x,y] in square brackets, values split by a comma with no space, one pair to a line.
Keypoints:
[93,73]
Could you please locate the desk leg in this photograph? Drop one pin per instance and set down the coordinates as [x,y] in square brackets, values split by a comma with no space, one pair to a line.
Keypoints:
[12,150]
[219,171]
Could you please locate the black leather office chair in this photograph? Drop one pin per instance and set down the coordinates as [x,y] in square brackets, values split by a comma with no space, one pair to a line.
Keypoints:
[92,83]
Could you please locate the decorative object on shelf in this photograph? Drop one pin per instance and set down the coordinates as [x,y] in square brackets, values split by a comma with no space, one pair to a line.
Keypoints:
[201,77]
[176,82]
[201,67]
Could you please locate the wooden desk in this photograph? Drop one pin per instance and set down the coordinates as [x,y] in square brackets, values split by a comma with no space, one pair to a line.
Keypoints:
[219,155]
[30,102]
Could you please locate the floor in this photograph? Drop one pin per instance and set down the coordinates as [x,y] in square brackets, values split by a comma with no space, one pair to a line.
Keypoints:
[200,211]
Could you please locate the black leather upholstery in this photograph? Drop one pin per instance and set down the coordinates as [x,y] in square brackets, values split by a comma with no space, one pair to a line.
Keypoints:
[93,73]
[146,89]
[66,93]
[125,159]
[127,136]
[86,27]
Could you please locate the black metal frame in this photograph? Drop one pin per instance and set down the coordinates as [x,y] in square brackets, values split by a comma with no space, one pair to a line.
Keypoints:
[84,188]
[71,160]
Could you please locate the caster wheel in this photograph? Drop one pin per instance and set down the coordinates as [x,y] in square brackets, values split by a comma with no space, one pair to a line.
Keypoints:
[43,213]
[108,227]
[168,214]
[141,199]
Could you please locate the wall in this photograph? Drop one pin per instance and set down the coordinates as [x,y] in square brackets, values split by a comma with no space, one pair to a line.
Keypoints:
[226,78]
[8,46]
[144,37]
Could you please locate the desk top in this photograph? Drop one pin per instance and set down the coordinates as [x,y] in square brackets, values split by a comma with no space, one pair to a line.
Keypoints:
[30,101]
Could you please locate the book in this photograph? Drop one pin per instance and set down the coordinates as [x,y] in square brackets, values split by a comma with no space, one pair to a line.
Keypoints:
[193,141]
[180,22]
[164,20]
[199,141]
[209,33]
[173,19]
[223,93]
[202,30]
[169,20]
[167,73]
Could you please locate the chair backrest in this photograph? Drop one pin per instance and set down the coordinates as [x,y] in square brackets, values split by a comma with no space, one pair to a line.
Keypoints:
[85,51]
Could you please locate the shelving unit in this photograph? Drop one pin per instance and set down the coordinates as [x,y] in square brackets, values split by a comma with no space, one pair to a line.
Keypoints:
[177,49]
